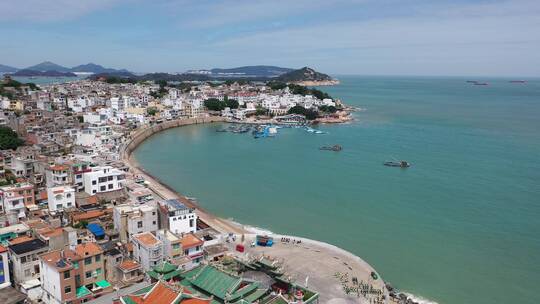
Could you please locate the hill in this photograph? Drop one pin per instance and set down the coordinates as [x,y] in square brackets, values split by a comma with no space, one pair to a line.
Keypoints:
[250,71]
[7,69]
[33,73]
[94,68]
[306,76]
[48,66]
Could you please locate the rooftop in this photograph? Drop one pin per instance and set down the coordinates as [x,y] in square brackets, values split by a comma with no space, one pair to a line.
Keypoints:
[190,240]
[27,246]
[88,249]
[146,238]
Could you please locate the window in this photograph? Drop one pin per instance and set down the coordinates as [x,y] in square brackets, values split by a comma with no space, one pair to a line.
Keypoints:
[98,257]
[88,261]
[153,222]
[94,191]
[88,274]
[98,271]
[94,182]
[176,246]
[76,265]
[153,213]
[23,260]
[67,289]
[139,224]
[191,223]
[67,275]
[102,188]
[27,272]
[68,195]
[110,186]
[58,206]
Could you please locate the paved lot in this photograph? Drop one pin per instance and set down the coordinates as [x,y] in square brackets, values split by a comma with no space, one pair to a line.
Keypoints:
[319,262]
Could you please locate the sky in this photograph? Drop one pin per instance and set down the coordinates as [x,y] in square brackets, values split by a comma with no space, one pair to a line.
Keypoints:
[368,37]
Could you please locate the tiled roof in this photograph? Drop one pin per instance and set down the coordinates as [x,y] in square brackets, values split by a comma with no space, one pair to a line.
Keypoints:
[2,249]
[190,240]
[88,215]
[146,238]
[20,239]
[88,249]
[129,265]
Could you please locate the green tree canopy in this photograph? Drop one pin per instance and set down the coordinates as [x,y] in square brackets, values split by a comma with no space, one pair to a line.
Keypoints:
[214,104]
[308,113]
[9,139]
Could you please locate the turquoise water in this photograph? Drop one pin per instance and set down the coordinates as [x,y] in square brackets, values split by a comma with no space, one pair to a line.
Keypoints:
[460,226]
[48,80]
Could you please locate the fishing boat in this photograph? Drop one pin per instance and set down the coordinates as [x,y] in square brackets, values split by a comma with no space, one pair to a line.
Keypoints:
[481,83]
[401,164]
[518,81]
[335,148]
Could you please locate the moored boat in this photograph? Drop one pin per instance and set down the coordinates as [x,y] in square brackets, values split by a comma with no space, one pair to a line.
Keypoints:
[401,164]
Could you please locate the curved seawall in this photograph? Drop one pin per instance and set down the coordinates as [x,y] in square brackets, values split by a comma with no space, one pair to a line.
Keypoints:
[138,136]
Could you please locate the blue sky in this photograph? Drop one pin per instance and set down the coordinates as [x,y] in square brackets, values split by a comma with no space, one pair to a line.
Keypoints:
[375,37]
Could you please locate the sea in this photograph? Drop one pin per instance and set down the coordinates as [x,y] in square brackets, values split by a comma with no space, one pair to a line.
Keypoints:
[461,225]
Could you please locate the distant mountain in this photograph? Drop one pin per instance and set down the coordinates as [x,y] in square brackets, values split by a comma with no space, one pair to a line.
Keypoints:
[48,66]
[32,73]
[304,74]
[256,71]
[7,69]
[94,68]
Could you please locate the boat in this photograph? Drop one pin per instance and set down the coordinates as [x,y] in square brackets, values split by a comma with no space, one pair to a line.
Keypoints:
[401,164]
[335,148]
[518,81]
[481,83]
[314,131]
[472,81]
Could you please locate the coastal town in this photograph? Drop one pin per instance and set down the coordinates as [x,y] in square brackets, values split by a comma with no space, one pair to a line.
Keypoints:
[81,222]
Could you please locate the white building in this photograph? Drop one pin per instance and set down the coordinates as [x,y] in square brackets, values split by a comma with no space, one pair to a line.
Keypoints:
[178,217]
[60,198]
[5,280]
[147,250]
[130,220]
[103,179]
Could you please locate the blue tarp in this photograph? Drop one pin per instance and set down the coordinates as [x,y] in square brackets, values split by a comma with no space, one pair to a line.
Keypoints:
[96,229]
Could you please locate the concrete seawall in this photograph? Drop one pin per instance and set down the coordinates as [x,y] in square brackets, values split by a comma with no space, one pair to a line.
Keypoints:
[138,136]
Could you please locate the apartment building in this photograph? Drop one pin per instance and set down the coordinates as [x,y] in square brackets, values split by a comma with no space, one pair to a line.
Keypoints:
[25,261]
[60,198]
[193,248]
[73,275]
[103,179]
[172,246]
[133,219]
[147,250]
[177,217]
[14,199]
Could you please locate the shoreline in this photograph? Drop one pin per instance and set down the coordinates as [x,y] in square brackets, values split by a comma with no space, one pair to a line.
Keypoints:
[223,225]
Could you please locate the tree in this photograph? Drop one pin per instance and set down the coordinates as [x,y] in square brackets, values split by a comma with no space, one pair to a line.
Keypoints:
[214,104]
[9,139]
[308,113]
[328,109]
[232,103]
[151,111]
